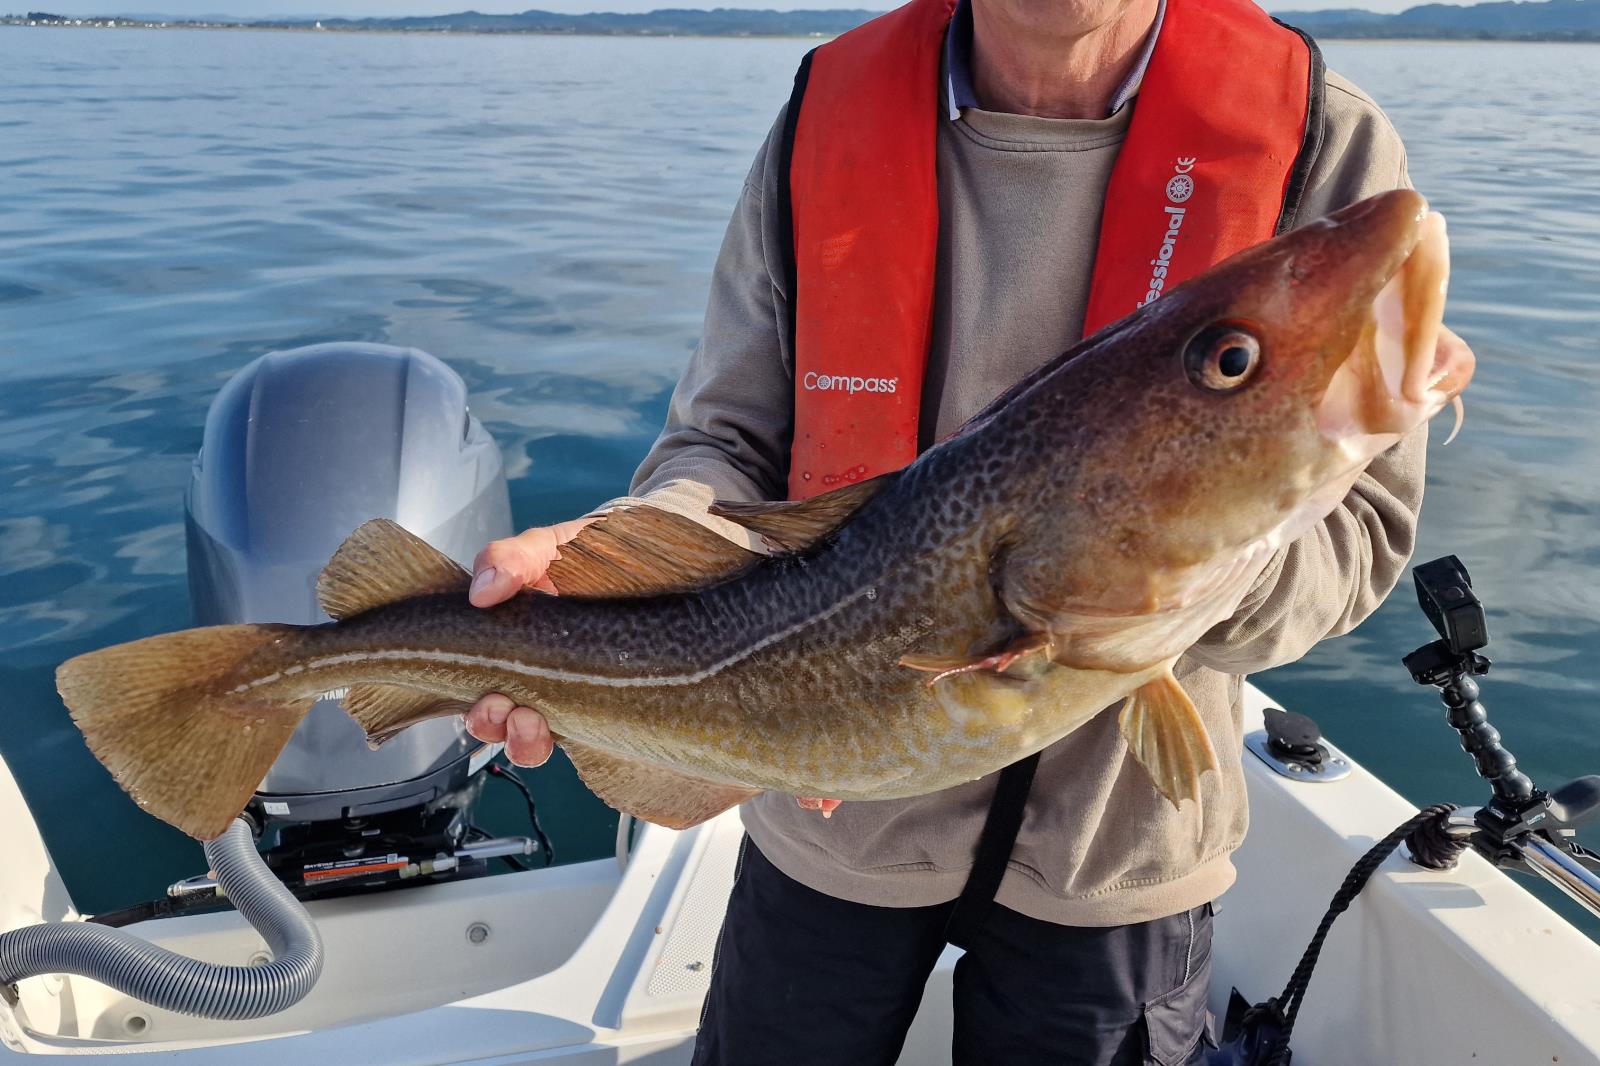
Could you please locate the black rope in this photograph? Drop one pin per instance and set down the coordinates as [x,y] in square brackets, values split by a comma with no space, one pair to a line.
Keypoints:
[505,773]
[1286,1007]
[1433,847]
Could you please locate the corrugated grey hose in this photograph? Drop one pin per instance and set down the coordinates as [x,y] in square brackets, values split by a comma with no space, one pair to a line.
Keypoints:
[164,979]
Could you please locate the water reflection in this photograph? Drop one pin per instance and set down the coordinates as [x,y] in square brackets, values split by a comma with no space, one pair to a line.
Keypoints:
[543,213]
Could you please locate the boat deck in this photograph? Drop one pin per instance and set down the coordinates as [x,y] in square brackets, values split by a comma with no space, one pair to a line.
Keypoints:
[589,963]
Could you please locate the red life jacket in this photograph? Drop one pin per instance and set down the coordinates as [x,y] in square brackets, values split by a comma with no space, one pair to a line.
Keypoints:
[1226,128]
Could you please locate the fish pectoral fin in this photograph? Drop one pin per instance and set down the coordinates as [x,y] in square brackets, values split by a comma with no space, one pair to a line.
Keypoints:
[654,793]
[382,563]
[795,524]
[1031,650]
[1166,735]
[643,551]
[384,710]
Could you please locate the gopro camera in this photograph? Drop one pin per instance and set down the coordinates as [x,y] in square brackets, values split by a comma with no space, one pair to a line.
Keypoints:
[1444,589]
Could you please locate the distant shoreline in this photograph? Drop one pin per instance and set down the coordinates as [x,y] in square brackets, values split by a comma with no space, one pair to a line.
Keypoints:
[414,31]
[204,27]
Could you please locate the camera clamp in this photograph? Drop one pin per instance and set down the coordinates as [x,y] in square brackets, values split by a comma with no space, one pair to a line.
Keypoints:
[1522,827]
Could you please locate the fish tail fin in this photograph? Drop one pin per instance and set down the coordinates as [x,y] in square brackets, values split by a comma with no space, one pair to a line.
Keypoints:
[172,719]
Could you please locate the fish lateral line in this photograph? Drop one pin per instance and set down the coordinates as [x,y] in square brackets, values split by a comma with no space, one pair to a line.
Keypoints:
[546,673]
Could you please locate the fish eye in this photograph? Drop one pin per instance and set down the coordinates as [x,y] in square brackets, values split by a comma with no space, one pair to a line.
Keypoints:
[1222,358]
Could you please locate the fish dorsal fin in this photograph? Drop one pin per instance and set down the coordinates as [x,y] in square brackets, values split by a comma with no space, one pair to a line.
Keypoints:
[382,563]
[655,793]
[792,525]
[644,551]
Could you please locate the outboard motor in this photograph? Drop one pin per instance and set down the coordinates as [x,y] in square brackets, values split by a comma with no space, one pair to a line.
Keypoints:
[300,448]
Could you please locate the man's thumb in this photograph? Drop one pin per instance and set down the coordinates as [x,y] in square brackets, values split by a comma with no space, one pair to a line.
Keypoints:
[492,585]
[506,566]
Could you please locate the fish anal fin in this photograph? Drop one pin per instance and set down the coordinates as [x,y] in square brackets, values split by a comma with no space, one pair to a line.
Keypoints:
[654,793]
[1029,651]
[791,525]
[382,563]
[1165,733]
[643,551]
[384,710]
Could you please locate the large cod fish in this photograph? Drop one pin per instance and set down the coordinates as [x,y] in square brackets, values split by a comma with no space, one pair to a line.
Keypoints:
[1050,561]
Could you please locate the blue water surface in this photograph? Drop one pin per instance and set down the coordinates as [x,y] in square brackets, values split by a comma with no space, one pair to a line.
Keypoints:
[543,214]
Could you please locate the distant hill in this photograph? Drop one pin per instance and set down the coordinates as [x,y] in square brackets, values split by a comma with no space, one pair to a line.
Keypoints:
[718,22]
[683,21]
[1577,20]
[686,21]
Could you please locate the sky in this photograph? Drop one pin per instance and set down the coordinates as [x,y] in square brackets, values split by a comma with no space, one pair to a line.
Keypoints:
[306,8]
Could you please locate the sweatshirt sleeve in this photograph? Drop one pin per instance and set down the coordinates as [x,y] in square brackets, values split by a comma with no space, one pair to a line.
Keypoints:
[1338,572]
[730,418]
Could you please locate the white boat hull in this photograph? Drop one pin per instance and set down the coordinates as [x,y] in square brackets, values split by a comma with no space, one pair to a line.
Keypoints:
[589,964]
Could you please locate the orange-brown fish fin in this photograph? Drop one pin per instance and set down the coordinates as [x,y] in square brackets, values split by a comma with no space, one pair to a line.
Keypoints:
[654,793]
[792,525]
[384,710]
[1023,650]
[383,563]
[164,717]
[1166,735]
[643,551]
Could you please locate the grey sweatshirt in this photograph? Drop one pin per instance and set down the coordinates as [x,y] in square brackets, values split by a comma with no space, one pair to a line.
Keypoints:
[1020,202]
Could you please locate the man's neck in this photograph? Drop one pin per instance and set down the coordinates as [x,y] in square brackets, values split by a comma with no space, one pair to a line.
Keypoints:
[1055,66]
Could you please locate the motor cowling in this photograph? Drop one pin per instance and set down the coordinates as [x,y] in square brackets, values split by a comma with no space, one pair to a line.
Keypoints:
[300,448]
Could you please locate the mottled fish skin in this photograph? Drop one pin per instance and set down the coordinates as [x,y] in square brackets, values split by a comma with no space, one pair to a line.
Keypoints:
[787,678]
[1107,510]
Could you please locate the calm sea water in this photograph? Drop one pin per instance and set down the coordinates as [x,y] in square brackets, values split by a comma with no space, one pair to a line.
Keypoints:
[543,214]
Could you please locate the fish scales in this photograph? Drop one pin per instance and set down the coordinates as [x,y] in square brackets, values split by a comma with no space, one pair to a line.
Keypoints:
[1048,563]
[832,624]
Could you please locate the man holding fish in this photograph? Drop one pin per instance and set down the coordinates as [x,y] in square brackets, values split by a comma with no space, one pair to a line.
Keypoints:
[1004,609]
[1063,201]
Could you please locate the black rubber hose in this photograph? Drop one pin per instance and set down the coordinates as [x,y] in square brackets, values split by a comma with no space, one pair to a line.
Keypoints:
[175,982]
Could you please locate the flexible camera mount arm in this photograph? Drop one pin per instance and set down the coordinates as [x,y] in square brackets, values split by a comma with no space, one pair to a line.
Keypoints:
[1522,827]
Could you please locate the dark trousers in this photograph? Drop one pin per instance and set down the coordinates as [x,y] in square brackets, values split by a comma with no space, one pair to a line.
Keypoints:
[804,979]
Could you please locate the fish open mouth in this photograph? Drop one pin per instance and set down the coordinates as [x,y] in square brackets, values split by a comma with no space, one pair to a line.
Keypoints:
[1405,367]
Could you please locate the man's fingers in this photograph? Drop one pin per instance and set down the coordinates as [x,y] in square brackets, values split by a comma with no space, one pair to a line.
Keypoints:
[487,718]
[528,740]
[492,585]
[495,719]
[505,567]
[812,803]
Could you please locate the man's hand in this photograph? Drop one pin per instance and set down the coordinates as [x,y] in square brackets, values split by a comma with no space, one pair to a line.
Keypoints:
[501,570]
[508,566]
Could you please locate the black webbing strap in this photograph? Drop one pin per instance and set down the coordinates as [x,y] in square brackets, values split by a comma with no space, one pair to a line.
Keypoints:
[791,123]
[1310,141]
[994,851]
